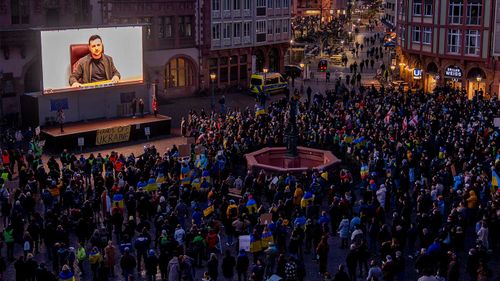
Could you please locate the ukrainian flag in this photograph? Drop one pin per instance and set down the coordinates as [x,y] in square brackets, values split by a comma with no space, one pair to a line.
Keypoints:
[255,244]
[495,179]
[307,199]
[267,237]
[205,175]
[251,206]
[152,186]
[186,181]
[260,111]
[118,198]
[196,183]
[160,179]
[184,171]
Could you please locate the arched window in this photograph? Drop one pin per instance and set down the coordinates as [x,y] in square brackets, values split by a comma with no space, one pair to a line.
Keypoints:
[179,73]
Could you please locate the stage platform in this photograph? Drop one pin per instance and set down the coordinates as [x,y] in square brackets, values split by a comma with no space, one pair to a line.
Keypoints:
[105,131]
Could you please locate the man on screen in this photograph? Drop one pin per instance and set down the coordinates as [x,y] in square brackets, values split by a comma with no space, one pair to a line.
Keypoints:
[95,66]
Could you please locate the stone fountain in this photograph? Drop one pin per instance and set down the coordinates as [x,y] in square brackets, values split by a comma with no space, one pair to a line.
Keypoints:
[292,158]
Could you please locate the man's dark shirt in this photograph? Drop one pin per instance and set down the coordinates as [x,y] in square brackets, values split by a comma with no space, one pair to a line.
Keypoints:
[98,72]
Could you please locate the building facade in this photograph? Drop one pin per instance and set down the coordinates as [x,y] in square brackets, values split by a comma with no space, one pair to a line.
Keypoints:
[447,43]
[20,61]
[339,7]
[241,37]
[171,53]
[390,13]
[304,8]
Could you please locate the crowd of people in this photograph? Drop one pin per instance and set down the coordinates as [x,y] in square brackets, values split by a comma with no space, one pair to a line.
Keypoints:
[424,190]
[416,197]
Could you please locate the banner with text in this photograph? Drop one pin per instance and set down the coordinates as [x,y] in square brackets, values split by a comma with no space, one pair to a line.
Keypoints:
[112,135]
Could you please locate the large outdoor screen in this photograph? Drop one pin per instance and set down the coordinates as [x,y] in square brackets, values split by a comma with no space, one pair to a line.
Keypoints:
[91,58]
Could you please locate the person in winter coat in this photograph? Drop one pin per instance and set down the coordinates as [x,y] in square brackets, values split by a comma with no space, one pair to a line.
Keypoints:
[242,263]
[343,231]
[228,264]
[174,269]
[151,262]
[322,252]
[110,253]
[95,258]
[66,274]
[81,255]
[127,264]
[482,235]
[213,267]
[352,261]
[374,272]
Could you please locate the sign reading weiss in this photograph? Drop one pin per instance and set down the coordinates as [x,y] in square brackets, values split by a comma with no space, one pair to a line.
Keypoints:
[112,135]
[453,72]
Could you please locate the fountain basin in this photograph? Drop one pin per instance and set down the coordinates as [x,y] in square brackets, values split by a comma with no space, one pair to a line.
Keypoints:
[276,160]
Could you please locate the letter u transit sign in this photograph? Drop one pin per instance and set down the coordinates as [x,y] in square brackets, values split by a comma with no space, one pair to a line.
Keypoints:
[112,135]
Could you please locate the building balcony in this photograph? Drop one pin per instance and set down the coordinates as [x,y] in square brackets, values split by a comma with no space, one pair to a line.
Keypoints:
[236,40]
[236,13]
[226,14]
[246,40]
[226,42]
[215,14]
[216,43]
[247,13]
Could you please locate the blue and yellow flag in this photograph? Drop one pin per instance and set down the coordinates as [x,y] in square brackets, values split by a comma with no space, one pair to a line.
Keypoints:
[495,179]
[255,244]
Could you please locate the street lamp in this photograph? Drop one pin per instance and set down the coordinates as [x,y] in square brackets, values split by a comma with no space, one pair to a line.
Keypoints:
[265,70]
[478,79]
[302,65]
[212,78]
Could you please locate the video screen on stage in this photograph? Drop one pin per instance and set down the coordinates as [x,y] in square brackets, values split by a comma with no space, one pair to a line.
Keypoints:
[88,58]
